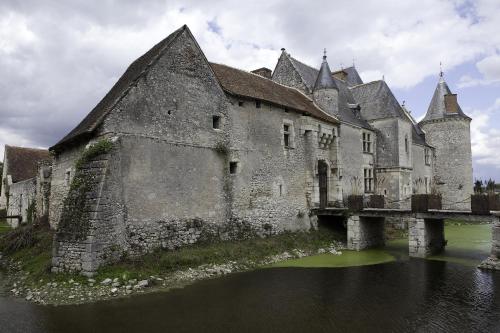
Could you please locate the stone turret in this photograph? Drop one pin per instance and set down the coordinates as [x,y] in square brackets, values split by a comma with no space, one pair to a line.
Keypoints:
[447,128]
[326,92]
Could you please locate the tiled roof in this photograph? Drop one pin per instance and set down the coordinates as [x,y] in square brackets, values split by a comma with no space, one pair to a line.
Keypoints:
[22,162]
[242,83]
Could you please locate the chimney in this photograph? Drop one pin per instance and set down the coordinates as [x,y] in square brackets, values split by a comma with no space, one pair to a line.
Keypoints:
[265,72]
[450,103]
[341,75]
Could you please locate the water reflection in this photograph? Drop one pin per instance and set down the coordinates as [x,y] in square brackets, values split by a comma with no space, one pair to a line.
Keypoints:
[415,295]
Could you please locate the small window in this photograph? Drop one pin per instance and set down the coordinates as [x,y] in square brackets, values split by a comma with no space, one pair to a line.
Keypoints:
[257,104]
[286,135]
[406,144]
[286,110]
[67,177]
[281,190]
[368,176]
[240,103]
[427,156]
[216,122]
[233,167]
[367,142]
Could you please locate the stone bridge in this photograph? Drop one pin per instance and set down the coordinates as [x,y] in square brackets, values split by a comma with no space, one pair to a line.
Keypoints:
[365,229]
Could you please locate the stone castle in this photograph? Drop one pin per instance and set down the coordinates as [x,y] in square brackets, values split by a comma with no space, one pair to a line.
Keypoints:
[201,151]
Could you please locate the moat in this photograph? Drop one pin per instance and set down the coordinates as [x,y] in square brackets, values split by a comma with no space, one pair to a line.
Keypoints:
[445,294]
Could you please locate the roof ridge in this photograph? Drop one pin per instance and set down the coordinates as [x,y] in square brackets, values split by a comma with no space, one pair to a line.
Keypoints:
[257,75]
[367,83]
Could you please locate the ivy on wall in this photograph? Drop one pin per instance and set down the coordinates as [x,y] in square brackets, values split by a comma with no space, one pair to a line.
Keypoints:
[75,217]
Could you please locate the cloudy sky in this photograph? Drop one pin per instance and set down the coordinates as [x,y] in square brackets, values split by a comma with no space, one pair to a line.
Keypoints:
[59,58]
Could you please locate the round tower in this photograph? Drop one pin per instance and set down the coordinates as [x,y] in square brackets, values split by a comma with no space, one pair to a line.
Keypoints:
[326,92]
[447,129]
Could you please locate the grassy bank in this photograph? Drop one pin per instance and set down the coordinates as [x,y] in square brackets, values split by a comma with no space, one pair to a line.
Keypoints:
[32,249]
[248,251]
[4,227]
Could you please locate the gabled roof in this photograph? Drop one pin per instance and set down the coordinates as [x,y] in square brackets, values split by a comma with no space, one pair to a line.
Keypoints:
[353,78]
[347,114]
[245,84]
[377,101]
[138,68]
[22,162]
[307,73]
[437,108]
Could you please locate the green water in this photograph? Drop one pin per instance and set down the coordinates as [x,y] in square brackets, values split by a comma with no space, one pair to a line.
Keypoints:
[467,245]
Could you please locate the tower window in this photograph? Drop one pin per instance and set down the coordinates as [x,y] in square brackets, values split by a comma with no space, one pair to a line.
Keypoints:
[233,167]
[368,176]
[240,103]
[257,104]
[216,122]
[406,144]
[367,142]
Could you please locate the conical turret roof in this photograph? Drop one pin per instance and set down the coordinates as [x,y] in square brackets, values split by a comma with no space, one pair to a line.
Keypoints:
[437,107]
[325,79]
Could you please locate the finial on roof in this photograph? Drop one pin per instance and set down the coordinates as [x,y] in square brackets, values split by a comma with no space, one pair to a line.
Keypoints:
[282,49]
[440,69]
[324,54]
[341,66]
[353,64]
[383,77]
[403,103]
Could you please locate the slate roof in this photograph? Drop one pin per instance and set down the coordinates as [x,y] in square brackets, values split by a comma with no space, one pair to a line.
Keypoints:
[138,68]
[309,76]
[378,102]
[324,79]
[437,109]
[353,78]
[22,162]
[241,83]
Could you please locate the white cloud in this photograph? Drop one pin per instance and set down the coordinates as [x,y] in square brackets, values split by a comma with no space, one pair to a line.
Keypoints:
[485,139]
[58,59]
[489,67]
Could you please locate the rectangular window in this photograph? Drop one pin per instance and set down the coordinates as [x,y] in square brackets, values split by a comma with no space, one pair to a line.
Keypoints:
[233,167]
[257,104]
[67,177]
[368,176]
[216,122]
[427,156]
[286,135]
[367,142]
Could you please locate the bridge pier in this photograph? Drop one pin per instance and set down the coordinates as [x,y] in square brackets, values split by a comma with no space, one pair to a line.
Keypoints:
[365,232]
[493,261]
[425,237]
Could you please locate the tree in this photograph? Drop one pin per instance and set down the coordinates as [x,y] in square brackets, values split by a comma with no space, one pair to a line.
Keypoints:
[490,186]
[478,186]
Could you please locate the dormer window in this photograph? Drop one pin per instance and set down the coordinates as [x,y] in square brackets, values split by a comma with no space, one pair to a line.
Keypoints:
[367,142]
